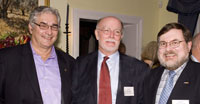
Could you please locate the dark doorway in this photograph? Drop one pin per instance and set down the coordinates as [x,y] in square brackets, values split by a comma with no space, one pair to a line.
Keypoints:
[87,42]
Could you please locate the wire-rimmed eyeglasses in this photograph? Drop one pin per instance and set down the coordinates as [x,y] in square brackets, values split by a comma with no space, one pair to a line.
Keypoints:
[116,32]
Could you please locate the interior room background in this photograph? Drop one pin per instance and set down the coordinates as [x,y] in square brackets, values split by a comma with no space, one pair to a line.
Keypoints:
[152,15]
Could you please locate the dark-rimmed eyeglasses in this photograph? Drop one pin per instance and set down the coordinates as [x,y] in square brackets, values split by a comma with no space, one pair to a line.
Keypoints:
[45,26]
[172,44]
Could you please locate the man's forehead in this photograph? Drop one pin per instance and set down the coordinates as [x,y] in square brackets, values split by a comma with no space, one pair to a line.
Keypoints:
[43,18]
[173,34]
[109,24]
[110,19]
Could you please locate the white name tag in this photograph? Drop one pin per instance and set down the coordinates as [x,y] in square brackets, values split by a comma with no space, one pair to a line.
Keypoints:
[180,102]
[128,91]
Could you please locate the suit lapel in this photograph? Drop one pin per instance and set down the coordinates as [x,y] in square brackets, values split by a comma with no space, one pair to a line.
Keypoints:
[183,84]
[29,68]
[65,76]
[92,65]
[124,80]
[154,83]
[120,79]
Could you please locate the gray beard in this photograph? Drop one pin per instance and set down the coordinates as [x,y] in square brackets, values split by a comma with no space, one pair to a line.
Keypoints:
[176,65]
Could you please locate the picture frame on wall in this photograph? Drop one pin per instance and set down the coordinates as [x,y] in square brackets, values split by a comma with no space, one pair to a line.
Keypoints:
[47,2]
[14,16]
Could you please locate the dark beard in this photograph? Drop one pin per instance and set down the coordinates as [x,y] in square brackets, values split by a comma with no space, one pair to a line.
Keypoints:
[178,63]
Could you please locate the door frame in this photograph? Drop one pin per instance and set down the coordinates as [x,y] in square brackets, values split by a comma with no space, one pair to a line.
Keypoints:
[77,14]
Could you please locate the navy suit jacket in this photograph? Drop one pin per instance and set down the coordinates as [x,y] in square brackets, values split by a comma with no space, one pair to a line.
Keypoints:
[18,77]
[187,86]
[84,87]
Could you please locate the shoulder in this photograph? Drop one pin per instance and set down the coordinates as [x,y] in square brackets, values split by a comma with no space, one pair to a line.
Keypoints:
[132,60]
[193,67]
[11,58]
[88,57]
[133,64]
[83,62]
[12,51]
[63,55]
[156,72]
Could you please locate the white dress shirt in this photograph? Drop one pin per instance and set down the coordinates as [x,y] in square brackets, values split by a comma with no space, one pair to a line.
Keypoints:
[194,59]
[113,65]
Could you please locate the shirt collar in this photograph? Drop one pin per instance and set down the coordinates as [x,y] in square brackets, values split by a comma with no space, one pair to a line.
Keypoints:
[179,69]
[111,57]
[194,59]
[52,55]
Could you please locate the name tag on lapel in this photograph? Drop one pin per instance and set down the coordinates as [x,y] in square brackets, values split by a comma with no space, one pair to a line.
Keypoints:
[128,91]
[180,101]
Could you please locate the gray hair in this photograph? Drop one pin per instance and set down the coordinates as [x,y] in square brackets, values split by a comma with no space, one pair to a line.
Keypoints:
[41,10]
[195,40]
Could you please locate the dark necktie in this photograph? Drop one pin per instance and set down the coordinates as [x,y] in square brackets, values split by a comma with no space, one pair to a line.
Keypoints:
[105,96]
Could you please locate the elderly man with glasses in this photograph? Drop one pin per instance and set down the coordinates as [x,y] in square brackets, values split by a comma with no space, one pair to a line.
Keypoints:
[107,76]
[177,81]
[37,72]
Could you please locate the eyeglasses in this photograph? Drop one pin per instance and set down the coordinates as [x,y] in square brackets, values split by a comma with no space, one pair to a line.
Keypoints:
[172,44]
[108,31]
[44,26]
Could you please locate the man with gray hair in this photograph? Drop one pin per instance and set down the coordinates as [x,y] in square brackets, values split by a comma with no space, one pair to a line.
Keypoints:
[37,72]
[196,48]
[107,76]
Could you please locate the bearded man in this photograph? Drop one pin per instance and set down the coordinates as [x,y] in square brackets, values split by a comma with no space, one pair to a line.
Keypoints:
[177,81]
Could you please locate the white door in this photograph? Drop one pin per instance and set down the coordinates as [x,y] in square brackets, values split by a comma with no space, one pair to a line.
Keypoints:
[132,24]
[131,40]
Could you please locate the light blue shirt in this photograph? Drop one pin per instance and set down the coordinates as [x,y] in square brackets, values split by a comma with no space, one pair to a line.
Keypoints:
[164,78]
[113,65]
[49,77]
[194,59]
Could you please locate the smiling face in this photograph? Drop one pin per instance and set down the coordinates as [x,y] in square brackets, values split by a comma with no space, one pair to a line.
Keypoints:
[171,57]
[44,38]
[109,34]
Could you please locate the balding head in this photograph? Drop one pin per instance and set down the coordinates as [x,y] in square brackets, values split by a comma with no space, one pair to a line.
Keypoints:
[196,46]
[196,41]
[101,20]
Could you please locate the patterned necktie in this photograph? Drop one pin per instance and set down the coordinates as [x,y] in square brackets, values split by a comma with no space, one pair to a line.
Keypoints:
[167,89]
[105,96]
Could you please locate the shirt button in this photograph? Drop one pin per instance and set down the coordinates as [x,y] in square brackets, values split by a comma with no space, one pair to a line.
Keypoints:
[45,91]
[45,77]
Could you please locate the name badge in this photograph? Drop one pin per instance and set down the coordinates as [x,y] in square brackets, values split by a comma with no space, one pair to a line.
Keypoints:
[180,102]
[128,91]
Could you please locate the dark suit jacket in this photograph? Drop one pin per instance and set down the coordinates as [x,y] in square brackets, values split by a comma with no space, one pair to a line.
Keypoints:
[187,86]
[184,7]
[18,78]
[131,73]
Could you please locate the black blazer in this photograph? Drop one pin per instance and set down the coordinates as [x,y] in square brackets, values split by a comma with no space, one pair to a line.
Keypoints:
[187,86]
[18,78]
[131,73]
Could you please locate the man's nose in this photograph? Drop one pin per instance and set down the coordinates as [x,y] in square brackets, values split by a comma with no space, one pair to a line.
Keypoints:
[168,47]
[112,34]
[49,30]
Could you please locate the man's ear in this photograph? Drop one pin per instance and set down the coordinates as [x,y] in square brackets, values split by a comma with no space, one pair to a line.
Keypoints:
[122,36]
[30,28]
[189,44]
[96,34]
